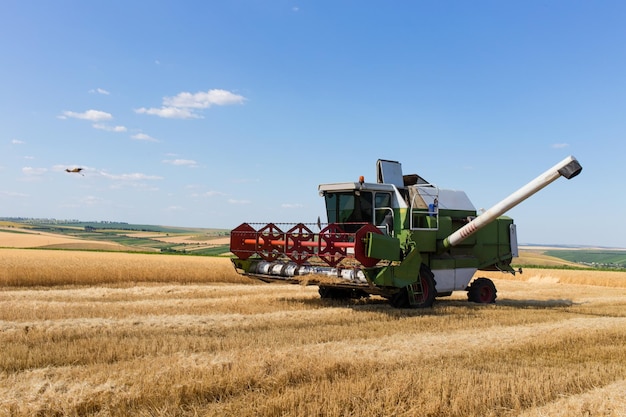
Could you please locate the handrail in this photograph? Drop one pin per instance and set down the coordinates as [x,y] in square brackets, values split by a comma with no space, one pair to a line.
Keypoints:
[424,212]
[387,228]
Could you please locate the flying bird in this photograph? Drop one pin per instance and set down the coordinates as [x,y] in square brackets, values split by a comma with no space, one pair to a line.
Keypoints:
[75,170]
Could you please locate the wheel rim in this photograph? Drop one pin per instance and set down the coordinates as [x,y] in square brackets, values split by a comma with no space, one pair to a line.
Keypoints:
[485,294]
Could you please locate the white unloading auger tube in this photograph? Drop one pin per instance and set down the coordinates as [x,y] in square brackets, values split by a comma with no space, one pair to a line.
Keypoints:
[568,168]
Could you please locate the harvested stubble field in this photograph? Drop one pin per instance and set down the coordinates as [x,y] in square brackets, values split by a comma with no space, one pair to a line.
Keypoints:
[82,338]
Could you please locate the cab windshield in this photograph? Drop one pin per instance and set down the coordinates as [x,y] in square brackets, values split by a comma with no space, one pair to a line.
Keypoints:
[349,207]
[352,209]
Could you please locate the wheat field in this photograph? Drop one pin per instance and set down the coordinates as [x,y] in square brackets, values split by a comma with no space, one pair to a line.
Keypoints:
[25,238]
[186,336]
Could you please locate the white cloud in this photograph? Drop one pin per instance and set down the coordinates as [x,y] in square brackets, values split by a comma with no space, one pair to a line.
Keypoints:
[245,180]
[109,128]
[179,162]
[208,194]
[291,206]
[175,208]
[138,185]
[233,201]
[30,171]
[99,91]
[185,105]
[92,200]
[92,115]
[203,100]
[135,176]
[143,136]
[17,142]
[13,194]
[560,145]
[169,113]
[214,193]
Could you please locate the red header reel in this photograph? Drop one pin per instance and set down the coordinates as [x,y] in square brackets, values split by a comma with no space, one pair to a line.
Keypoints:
[332,244]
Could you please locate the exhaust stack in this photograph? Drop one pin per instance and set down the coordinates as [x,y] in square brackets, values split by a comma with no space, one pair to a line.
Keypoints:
[568,168]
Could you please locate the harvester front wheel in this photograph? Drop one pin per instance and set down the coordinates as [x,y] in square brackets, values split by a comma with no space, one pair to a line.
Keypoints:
[400,299]
[421,294]
[483,291]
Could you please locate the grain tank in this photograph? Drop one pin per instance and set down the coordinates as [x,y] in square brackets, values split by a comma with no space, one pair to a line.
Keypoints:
[401,237]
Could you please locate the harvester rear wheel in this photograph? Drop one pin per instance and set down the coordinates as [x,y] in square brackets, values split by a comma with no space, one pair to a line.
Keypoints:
[483,291]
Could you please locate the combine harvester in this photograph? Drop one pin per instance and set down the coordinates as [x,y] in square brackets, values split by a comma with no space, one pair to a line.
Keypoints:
[402,238]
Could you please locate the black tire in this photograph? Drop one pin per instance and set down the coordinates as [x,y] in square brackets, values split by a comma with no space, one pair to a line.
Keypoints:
[400,299]
[327,292]
[341,293]
[424,296]
[482,291]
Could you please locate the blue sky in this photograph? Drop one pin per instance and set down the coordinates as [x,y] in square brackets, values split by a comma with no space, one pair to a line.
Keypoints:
[212,113]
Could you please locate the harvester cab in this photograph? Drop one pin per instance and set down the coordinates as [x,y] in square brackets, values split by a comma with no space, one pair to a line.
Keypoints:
[401,237]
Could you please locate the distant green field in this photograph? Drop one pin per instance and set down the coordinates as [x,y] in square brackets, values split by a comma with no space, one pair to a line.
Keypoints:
[213,251]
[599,258]
[53,224]
[132,235]
[18,231]
[133,227]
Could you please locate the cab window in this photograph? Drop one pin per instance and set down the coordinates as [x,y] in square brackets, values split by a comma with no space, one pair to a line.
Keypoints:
[349,207]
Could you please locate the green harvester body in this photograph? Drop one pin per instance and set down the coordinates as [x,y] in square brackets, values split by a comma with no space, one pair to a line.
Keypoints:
[401,237]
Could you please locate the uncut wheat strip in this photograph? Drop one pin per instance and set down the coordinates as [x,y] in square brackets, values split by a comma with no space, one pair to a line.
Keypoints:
[26,258]
[518,290]
[536,288]
[191,300]
[112,262]
[221,304]
[155,291]
[435,344]
[603,401]
[74,385]
[194,303]
[179,321]
[29,305]
[615,279]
